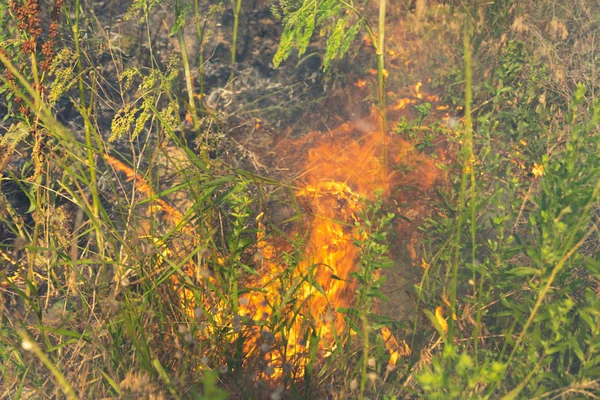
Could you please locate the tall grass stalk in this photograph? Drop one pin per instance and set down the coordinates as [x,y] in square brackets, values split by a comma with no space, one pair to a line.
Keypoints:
[380,51]
[378,42]
[147,9]
[30,345]
[467,170]
[237,7]
[365,344]
[471,166]
[200,35]
[84,110]
[189,84]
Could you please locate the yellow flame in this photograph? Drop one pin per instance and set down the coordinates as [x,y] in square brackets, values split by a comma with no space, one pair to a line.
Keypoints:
[439,316]
[402,103]
[415,90]
[341,169]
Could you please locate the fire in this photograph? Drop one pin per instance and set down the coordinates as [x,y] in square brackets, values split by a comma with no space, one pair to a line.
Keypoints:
[361,83]
[415,90]
[342,169]
[337,170]
[402,103]
[282,320]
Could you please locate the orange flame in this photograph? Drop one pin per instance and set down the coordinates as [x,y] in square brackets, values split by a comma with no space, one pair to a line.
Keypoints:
[343,167]
[415,90]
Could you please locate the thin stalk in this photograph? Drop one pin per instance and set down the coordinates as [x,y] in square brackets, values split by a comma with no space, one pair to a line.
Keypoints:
[457,240]
[34,71]
[146,16]
[200,34]
[379,46]
[189,83]
[471,164]
[237,6]
[365,360]
[380,51]
[39,203]
[96,205]
[468,164]
[32,249]
[30,345]
[515,392]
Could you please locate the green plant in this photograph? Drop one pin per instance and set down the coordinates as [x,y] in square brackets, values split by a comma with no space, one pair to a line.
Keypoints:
[422,135]
[518,289]
[136,266]
[373,259]
[73,237]
[301,20]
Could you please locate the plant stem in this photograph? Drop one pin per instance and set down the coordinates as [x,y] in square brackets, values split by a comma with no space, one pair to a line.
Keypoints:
[189,84]
[30,345]
[200,34]
[471,166]
[188,81]
[88,132]
[146,16]
[365,360]
[380,50]
[467,162]
[237,6]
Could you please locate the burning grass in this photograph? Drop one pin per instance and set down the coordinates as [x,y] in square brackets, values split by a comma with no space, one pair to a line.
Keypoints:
[283,321]
[170,274]
[261,305]
[290,314]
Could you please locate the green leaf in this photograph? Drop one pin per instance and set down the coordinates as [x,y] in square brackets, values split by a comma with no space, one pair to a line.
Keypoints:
[376,293]
[579,95]
[524,271]
[181,14]
[116,387]
[313,282]
[576,348]
[435,323]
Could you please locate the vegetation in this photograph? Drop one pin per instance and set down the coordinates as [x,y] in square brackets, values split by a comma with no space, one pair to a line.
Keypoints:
[146,253]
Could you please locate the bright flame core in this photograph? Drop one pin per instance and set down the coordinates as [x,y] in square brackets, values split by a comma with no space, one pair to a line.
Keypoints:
[344,167]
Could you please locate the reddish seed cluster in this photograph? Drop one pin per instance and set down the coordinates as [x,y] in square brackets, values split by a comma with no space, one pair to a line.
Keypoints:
[11,79]
[28,46]
[9,76]
[53,29]
[56,10]
[48,53]
[27,14]
[23,109]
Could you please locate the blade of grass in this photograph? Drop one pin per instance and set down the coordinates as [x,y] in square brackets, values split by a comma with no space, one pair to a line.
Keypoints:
[31,345]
